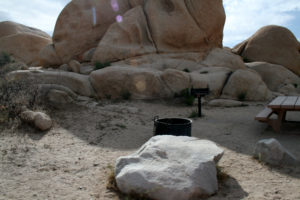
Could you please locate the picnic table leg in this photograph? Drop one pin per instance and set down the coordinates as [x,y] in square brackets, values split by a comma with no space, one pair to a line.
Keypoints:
[276,123]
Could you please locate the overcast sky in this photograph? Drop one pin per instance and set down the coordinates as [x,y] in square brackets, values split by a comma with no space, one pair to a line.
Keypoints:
[244,17]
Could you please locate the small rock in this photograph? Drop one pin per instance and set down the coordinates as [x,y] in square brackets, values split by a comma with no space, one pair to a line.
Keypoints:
[42,121]
[38,119]
[272,152]
[27,116]
[75,66]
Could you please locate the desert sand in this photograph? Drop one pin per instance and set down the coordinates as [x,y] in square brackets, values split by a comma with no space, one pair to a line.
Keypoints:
[73,160]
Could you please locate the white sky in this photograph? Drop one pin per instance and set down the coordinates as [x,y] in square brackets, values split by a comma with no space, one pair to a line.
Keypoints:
[244,17]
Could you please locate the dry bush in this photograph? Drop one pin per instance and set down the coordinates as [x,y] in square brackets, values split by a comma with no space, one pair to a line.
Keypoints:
[14,94]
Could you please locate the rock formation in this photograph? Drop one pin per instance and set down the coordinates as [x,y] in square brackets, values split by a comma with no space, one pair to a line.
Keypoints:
[272,44]
[22,42]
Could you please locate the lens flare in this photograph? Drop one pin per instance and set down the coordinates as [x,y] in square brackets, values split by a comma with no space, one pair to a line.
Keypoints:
[94,16]
[119,18]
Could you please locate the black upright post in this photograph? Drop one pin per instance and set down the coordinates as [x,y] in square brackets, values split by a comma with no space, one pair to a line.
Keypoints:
[199,106]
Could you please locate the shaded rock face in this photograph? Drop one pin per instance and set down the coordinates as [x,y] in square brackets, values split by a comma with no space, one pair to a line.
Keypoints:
[22,42]
[48,57]
[246,85]
[272,44]
[277,77]
[134,27]
[169,167]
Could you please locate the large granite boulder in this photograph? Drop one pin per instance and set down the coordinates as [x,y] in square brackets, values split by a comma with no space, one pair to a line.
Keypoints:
[246,85]
[272,152]
[81,25]
[22,42]
[272,44]
[78,83]
[276,76]
[114,82]
[169,167]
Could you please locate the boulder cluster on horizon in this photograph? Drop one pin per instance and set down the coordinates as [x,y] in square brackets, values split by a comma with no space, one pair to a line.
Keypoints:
[154,49]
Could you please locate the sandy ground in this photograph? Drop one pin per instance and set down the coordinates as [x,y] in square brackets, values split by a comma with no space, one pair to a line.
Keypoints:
[71,161]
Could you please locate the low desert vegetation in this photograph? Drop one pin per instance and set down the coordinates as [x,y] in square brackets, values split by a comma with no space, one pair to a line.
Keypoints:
[14,94]
[186,96]
[126,95]
[194,114]
[242,96]
[99,65]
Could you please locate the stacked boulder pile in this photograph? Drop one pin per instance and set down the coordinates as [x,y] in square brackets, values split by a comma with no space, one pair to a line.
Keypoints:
[154,49]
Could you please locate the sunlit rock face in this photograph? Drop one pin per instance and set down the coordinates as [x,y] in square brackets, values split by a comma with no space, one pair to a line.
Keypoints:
[161,26]
[82,23]
[22,42]
[272,44]
[172,26]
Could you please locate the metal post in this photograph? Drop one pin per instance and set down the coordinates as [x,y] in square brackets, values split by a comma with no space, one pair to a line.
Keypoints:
[199,106]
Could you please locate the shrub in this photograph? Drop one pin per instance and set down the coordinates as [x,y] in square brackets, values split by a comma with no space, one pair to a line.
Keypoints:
[246,60]
[242,96]
[186,96]
[99,65]
[15,94]
[5,59]
[295,85]
[194,114]
[126,95]
[186,70]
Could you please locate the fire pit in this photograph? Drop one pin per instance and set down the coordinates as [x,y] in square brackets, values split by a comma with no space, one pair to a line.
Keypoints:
[172,126]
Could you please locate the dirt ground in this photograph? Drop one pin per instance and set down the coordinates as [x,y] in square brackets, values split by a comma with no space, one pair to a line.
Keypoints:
[73,159]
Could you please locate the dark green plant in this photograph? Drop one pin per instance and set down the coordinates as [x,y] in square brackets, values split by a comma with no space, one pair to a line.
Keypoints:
[4,59]
[99,65]
[295,85]
[242,96]
[186,70]
[122,126]
[194,114]
[186,97]
[126,95]
[246,60]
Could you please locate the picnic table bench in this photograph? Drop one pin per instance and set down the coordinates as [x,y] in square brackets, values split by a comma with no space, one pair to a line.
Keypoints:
[279,106]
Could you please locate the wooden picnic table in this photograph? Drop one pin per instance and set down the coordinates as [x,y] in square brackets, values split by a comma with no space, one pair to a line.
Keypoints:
[279,106]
